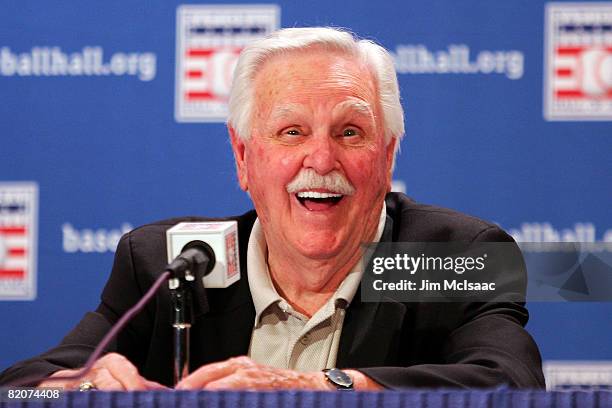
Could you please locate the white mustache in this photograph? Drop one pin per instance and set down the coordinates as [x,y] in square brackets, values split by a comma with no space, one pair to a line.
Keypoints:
[308,179]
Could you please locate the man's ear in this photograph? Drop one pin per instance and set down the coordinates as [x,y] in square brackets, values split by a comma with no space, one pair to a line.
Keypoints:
[390,155]
[239,149]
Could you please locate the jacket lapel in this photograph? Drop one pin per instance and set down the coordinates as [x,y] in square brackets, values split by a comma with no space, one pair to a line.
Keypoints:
[371,330]
[370,334]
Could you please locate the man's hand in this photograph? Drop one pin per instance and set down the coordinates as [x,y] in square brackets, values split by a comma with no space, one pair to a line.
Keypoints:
[113,372]
[244,373]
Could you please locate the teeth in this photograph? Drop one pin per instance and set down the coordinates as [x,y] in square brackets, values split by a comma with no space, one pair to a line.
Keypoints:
[316,194]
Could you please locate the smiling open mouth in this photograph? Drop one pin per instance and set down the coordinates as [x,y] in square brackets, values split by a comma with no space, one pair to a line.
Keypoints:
[318,201]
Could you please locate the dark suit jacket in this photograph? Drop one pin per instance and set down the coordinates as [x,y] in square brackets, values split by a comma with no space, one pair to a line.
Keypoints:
[397,344]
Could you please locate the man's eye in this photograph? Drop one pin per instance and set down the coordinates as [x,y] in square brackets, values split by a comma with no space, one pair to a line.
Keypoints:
[348,132]
[293,132]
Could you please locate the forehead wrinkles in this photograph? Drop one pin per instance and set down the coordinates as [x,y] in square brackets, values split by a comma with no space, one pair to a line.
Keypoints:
[337,79]
[299,77]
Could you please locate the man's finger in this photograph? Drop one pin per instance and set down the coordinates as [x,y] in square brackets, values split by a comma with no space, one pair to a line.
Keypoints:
[122,370]
[152,385]
[105,381]
[65,384]
[250,379]
[211,372]
[231,382]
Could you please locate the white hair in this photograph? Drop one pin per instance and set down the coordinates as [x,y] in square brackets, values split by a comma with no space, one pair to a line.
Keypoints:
[254,55]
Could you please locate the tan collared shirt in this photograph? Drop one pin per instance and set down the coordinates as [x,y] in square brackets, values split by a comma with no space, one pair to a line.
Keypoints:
[285,338]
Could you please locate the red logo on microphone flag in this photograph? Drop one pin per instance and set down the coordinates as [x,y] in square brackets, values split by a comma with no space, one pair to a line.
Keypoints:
[18,216]
[231,243]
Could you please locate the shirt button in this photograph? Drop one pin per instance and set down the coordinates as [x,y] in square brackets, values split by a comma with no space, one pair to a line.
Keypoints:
[305,339]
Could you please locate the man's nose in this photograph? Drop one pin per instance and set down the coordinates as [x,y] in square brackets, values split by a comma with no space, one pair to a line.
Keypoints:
[321,155]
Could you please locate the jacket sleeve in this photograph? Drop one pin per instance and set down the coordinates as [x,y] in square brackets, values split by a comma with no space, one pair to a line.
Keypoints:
[487,347]
[121,292]
[490,350]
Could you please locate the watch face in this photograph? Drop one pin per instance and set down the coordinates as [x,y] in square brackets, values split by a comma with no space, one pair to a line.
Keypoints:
[339,378]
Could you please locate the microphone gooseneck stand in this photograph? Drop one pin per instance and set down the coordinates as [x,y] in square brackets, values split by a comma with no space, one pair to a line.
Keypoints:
[182,314]
[196,260]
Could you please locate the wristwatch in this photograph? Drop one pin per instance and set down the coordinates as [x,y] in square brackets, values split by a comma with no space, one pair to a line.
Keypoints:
[339,379]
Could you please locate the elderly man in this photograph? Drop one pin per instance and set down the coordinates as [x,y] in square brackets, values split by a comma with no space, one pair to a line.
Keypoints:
[315,122]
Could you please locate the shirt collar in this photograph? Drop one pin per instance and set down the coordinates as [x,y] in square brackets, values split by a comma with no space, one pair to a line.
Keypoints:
[262,289]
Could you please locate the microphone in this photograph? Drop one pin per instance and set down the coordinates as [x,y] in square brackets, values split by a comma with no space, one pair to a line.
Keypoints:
[197,257]
[207,251]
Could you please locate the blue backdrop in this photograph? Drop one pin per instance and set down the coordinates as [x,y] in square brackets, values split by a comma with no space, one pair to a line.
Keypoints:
[107,153]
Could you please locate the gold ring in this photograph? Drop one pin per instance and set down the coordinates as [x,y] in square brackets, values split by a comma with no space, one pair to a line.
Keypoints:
[87,386]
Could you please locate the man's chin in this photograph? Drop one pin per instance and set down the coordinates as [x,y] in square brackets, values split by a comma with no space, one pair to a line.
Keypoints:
[321,246]
[319,254]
